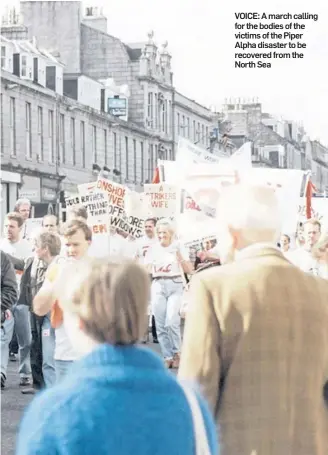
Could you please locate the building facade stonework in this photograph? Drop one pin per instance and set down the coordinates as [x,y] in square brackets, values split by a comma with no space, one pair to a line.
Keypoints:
[61,131]
[276,143]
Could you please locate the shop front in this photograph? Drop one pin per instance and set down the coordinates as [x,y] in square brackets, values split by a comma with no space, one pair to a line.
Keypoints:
[10,182]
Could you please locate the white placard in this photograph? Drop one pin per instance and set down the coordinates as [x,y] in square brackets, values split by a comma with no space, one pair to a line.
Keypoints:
[161,199]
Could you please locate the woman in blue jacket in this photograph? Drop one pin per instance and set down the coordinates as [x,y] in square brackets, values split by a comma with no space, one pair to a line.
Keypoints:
[118,399]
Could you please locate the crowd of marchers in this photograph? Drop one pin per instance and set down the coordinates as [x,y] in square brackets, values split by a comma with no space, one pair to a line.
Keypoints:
[244,324]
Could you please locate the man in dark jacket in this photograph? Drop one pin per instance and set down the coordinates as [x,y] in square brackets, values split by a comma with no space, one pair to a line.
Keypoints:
[8,299]
[47,248]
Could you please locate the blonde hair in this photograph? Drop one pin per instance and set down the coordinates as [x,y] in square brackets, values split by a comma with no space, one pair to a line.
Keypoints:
[110,298]
[167,224]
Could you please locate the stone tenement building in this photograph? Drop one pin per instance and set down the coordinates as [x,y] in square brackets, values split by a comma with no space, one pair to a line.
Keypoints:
[76,99]
[276,143]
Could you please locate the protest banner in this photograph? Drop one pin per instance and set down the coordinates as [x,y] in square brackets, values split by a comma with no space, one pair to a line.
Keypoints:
[72,201]
[187,202]
[96,203]
[31,226]
[136,210]
[94,200]
[199,194]
[203,184]
[118,218]
[189,155]
[188,152]
[115,191]
[161,199]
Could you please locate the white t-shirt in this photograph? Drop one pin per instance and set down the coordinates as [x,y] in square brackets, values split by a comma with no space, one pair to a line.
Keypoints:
[117,245]
[304,260]
[130,248]
[20,250]
[163,259]
[143,244]
[63,347]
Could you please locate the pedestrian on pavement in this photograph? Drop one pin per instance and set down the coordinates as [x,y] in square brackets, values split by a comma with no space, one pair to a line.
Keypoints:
[77,237]
[168,260]
[142,246]
[118,398]
[256,336]
[8,300]
[47,249]
[19,248]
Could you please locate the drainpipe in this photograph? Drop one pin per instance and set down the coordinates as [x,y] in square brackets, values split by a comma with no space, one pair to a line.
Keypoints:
[57,151]
[173,125]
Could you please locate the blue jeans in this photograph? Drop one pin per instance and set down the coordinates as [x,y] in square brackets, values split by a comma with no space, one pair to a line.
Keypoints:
[62,368]
[24,338]
[166,297]
[48,352]
[7,330]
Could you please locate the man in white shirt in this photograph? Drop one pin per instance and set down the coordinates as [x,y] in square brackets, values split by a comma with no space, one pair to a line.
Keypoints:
[19,248]
[77,237]
[117,244]
[23,207]
[142,246]
[144,243]
[302,257]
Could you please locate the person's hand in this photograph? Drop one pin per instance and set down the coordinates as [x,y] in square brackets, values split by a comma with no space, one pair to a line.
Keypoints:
[202,255]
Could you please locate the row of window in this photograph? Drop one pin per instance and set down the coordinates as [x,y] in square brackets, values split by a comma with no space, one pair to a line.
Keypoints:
[48,135]
[67,150]
[196,132]
[158,113]
[159,118]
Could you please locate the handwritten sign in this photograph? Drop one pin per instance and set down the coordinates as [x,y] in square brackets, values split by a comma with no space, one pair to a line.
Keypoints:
[161,199]
[115,191]
[118,218]
[96,202]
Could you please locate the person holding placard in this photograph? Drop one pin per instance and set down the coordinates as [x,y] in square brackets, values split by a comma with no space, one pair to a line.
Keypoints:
[167,261]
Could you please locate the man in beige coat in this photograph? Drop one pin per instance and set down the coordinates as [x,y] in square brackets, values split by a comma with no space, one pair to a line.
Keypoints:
[256,336]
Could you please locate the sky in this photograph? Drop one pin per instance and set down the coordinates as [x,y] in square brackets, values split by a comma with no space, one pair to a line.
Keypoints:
[201,40]
[201,37]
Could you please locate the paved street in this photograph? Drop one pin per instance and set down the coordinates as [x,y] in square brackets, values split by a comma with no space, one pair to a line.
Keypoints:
[13,403]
